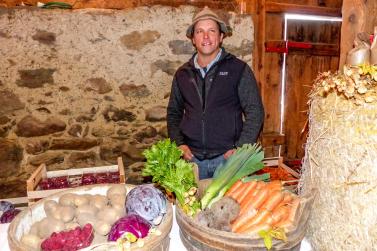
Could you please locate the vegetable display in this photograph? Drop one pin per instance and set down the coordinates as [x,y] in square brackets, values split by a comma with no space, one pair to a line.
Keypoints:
[165,165]
[9,215]
[148,202]
[245,161]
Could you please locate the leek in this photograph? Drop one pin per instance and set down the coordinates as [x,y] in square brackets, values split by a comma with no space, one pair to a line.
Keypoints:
[245,161]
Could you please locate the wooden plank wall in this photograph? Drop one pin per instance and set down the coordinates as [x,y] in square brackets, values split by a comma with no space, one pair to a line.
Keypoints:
[358,16]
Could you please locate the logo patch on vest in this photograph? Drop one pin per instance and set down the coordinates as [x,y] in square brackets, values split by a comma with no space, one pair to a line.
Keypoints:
[223,73]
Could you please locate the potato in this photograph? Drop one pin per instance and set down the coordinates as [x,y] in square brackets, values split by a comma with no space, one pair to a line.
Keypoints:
[71,225]
[119,189]
[49,225]
[88,209]
[33,242]
[117,199]
[67,199]
[102,227]
[67,213]
[85,218]
[108,214]
[99,201]
[49,206]
[81,200]
[120,208]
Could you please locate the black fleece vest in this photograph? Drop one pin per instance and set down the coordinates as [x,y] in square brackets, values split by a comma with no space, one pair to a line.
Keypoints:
[213,129]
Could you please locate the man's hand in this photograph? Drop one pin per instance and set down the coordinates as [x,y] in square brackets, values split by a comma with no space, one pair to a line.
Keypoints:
[229,153]
[187,155]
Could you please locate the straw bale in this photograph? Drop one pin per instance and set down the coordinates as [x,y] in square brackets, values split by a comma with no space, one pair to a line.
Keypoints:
[341,162]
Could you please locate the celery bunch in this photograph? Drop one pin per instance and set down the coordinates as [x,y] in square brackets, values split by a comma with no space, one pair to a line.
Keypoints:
[245,161]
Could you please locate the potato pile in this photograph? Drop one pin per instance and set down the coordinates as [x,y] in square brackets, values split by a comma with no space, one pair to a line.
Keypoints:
[72,210]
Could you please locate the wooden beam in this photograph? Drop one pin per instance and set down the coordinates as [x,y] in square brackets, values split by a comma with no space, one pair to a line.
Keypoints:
[317,49]
[260,39]
[302,9]
[273,139]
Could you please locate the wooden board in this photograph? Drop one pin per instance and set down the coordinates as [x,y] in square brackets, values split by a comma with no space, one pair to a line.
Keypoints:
[41,173]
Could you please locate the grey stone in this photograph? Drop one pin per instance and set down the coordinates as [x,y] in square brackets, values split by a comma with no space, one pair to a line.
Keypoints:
[156,113]
[35,78]
[99,85]
[102,131]
[114,114]
[132,152]
[73,143]
[75,130]
[30,126]
[65,112]
[136,167]
[181,47]
[123,131]
[147,132]
[36,146]
[11,155]
[163,131]
[166,66]
[137,91]
[110,152]
[245,49]
[43,110]
[44,37]
[109,98]
[137,40]
[4,120]
[47,158]
[85,118]
[83,159]
[64,88]
[9,102]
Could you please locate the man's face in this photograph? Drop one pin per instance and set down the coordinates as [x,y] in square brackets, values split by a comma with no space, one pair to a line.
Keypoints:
[207,37]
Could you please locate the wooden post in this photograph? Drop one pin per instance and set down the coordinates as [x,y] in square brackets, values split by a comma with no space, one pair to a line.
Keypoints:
[358,16]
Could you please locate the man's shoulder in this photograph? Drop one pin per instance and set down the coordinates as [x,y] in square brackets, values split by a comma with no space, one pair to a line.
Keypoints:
[185,67]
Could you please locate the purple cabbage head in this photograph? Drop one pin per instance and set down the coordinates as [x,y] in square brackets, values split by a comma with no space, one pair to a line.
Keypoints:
[5,206]
[131,223]
[9,215]
[148,202]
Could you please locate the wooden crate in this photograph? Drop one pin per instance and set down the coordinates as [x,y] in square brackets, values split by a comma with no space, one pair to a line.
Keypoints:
[41,173]
[278,161]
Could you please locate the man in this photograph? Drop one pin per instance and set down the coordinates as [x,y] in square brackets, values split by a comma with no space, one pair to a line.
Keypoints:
[210,95]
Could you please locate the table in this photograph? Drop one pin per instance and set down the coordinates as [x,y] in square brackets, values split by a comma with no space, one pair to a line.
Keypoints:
[175,241]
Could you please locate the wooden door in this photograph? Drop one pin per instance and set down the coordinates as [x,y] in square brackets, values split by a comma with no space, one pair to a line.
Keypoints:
[313,47]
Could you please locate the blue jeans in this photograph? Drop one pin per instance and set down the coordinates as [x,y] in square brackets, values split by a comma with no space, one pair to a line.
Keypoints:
[207,167]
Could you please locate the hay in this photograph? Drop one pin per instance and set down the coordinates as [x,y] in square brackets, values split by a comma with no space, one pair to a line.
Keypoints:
[341,161]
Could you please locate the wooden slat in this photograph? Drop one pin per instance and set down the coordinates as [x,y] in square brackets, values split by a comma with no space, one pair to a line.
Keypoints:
[302,9]
[120,167]
[35,177]
[317,49]
[273,139]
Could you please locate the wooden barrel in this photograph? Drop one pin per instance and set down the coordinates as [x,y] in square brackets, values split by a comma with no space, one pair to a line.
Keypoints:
[22,222]
[196,237]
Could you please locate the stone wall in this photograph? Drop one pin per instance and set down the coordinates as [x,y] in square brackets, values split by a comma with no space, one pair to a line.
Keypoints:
[79,88]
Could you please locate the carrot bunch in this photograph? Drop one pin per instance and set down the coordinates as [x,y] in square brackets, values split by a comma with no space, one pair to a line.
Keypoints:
[262,206]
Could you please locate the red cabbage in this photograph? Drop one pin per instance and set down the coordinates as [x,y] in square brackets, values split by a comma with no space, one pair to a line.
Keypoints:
[148,202]
[9,215]
[5,206]
[131,223]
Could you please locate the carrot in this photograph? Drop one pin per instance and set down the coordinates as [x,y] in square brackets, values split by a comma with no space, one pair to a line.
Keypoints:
[286,224]
[274,199]
[254,202]
[274,185]
[239,192]
[233,188]
[280,213]
[287,198]
[254,229]
[248,191]
[263,216]
[242,219]
[292,214]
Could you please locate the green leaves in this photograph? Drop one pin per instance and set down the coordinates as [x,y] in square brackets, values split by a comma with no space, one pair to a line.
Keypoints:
[267,235]
[165,165]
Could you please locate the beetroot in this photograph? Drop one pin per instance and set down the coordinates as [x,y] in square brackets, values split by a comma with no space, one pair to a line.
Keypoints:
[9,215]
[88,179]
[71,240]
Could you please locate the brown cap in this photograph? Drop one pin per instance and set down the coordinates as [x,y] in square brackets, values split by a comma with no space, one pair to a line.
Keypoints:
[204,14]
